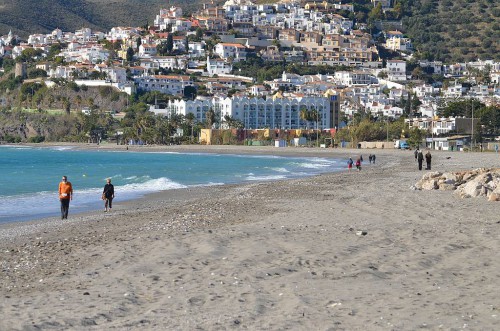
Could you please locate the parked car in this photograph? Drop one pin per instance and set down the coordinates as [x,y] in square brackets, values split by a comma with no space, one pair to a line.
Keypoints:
[401,144]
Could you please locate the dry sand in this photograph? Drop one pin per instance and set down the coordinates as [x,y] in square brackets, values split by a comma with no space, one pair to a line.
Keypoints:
[266,256]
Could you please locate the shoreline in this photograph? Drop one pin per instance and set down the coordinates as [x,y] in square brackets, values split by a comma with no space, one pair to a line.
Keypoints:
[187,149]
[270,255]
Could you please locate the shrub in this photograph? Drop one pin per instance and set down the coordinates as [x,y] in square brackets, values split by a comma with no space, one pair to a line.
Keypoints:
[36,139]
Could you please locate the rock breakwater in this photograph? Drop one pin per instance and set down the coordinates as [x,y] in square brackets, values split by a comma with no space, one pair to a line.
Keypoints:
[483,182]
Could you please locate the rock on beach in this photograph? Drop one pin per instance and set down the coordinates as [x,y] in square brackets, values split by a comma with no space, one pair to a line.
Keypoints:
[480,182]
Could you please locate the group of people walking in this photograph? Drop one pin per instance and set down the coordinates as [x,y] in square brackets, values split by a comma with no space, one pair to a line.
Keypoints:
[359,161]
[419,157]
[66,195]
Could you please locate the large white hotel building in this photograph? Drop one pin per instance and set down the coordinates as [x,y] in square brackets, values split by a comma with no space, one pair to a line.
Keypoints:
[277,112]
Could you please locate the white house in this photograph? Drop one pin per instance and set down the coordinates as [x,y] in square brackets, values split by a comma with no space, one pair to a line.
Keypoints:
[396,70]
[399,44]
[349,78]
[231,50]
[147,50]
[167,62]
[217,67]
[196,49]
[454,91]
[164,83]
[115,74]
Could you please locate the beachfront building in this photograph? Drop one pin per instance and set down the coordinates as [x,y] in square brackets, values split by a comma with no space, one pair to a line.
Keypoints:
[444,125]
[277,112]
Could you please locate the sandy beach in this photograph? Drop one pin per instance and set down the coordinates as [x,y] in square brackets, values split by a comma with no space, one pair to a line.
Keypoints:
[339,251]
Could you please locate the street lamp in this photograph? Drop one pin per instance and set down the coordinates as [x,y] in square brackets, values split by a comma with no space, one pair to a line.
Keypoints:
[317,131]
[387,128]
[472,127]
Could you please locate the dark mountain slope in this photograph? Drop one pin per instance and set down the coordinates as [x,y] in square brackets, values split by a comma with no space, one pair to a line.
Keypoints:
[25,17]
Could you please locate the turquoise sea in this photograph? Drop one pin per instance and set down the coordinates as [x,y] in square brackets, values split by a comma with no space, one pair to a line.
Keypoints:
[29,176]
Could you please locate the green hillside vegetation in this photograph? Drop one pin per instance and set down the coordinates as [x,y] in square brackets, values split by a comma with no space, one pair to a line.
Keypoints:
[454,30]
[26,17]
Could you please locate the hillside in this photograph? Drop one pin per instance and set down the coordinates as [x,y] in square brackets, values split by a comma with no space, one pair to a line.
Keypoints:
[447,30]
[454,30]
[25,17]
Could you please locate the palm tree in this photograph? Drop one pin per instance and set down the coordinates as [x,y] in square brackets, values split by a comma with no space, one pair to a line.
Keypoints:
[78,101]
[210,118]
[305,116]
[190,121]
[314,117]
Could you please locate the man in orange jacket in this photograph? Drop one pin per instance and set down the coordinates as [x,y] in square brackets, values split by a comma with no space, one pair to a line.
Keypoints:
[65,195]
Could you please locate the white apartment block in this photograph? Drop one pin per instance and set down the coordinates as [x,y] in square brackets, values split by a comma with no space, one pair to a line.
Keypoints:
[163,83]
[349,78]
[167,62]
[273,112]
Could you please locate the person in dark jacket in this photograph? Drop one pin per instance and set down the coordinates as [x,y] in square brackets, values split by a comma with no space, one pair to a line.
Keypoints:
[428,158]
[420,159]
[108,194]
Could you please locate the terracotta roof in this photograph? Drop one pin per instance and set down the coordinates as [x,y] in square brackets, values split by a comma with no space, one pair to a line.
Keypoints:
[232,44]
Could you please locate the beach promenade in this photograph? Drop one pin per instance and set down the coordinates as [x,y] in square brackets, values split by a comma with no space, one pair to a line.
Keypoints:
[340,251]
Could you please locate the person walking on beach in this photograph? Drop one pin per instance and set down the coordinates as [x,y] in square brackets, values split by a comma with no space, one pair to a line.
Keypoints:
[373,158]
[358,164]
[370,158]
[428,158]
[65,195]
[350,162]
[108,194]
[420,159]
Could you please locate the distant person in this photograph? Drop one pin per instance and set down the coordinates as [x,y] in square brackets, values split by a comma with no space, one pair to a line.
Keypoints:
[373,158]
[65,195]
[428,158]
[361,158]
[370,158]
[358,164]
[420,159]
[108,194]
[350,162]
[416,154]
